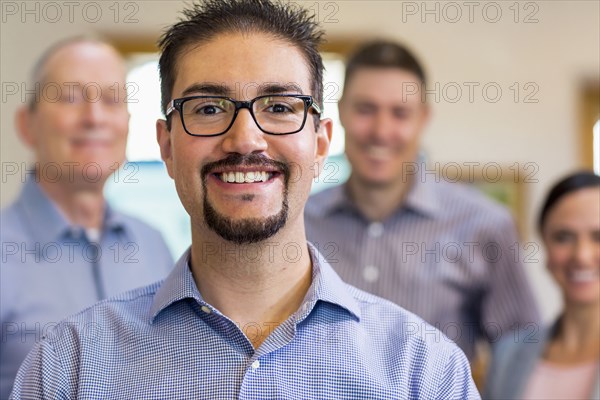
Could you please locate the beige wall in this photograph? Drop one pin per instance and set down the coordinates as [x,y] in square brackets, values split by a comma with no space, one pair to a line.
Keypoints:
[556,55]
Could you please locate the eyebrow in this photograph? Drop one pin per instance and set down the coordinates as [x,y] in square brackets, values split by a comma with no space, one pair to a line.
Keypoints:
[207,88]
[223,90]
[276,88]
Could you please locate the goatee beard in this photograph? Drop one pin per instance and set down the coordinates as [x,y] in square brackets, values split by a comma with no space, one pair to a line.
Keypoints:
[249,230]
[245,231]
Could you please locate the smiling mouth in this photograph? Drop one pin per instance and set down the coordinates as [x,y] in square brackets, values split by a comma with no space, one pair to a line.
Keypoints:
[245,176]
[583,276]
[238,169]
[94,139]
[379,151]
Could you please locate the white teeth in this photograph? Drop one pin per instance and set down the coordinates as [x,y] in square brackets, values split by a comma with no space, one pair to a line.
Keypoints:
[379,151]
[247,177]
[584,275]
[92,138]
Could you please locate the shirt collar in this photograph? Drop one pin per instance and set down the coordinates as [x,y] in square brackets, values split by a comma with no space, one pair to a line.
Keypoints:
[326,286]
[48,222]
[421,198]
[114,220]
[178,285]
[337,199]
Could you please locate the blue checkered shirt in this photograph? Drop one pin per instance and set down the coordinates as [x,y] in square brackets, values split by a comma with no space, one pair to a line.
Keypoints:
[164,341]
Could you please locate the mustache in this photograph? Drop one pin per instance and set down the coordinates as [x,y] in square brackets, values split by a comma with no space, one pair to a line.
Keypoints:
[239,160]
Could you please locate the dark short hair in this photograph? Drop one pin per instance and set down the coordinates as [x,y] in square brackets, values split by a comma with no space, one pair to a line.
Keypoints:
[383,54]
[571,183]
[206,19]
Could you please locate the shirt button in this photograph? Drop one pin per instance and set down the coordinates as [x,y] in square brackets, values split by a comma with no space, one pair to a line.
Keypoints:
[370,273]
[375,229]
[205,309]
[255,365]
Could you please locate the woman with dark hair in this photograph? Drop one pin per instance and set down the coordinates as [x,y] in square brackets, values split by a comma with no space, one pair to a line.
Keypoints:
[561,362]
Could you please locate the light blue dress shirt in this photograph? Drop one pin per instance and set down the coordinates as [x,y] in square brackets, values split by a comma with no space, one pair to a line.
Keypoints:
[165,342]
[49,270]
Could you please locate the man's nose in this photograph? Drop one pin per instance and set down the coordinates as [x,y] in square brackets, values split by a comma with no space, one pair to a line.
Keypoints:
[382,125]
[244,136]
[93,112]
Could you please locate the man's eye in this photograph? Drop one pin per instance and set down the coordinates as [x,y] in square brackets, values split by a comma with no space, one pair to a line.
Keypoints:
[110,100]
[365,109]
[562,237]
[73,99]
[401,113]
[279,108]
[207,110]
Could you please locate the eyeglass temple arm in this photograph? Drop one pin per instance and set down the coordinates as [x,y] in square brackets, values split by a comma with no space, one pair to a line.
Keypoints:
[170,108]
[316,107]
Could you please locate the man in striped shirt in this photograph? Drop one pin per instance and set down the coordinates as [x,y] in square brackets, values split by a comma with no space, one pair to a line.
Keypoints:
[397,230]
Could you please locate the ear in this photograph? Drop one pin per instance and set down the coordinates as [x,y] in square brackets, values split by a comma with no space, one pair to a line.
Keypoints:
[163,137]
[23,120]
[323,140]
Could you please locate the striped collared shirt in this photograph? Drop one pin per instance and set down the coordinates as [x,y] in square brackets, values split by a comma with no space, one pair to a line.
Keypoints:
[448,254]
[164,341]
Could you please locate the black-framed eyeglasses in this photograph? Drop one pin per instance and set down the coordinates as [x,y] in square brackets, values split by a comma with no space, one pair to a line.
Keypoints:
[281,114]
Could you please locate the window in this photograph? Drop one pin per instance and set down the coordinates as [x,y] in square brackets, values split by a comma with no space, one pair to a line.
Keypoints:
[596,133]
[589,116]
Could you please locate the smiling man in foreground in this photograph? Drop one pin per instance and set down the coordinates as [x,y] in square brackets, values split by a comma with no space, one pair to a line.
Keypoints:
[251,310]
